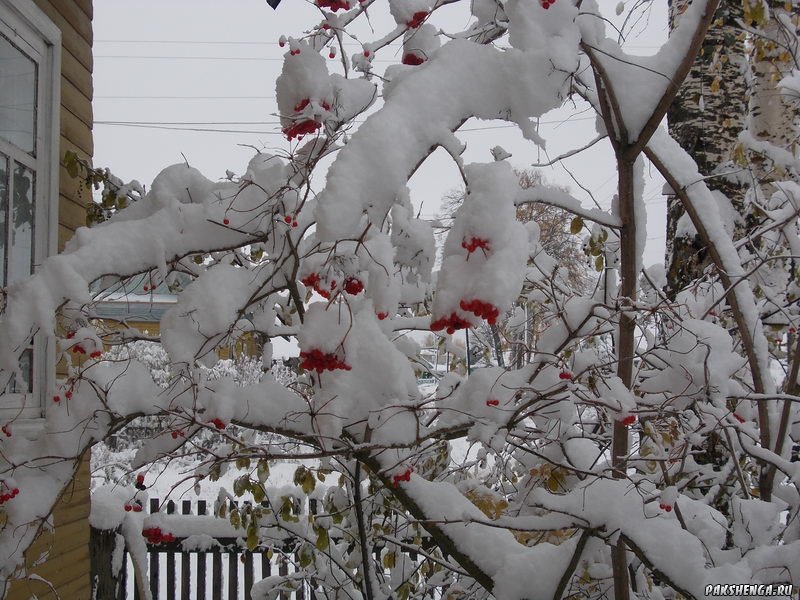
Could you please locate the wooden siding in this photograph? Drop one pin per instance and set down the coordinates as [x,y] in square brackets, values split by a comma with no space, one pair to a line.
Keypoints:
[67,567]
[74,18]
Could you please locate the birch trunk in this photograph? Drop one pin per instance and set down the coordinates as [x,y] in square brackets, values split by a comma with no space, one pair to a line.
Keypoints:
[706,117]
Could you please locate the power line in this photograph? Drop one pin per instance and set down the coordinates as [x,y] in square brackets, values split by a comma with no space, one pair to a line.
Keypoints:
[222,58]
[184,97]
[208,123]
[254,43]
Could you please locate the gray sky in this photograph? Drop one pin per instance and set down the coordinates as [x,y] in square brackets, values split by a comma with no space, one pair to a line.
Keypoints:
[225,80]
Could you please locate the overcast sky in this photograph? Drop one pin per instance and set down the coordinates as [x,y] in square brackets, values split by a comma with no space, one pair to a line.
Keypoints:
[165,67]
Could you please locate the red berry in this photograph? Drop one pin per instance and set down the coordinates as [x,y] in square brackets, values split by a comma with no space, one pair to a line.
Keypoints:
[294,223]
[140,478]
[70,335]
[68,394]
[353,286]
[629,420]
[218,423]
[367,53]
[565,375]
[492,402]
[417,19]
[127,508]
[325,26]
[667,508]
[96,354]
[738,418]
[6,430]
[792,330]
[382,315]
[226,221]
[146,287]
[287,218]
[56,399]
[15,491]
[137,508]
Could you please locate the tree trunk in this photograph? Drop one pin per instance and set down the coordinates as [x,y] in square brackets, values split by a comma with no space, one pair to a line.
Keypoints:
[706,117]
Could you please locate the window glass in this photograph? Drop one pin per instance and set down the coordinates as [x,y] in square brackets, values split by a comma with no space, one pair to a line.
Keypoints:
[17,97]
[3,217]
[24,384]
[21,252]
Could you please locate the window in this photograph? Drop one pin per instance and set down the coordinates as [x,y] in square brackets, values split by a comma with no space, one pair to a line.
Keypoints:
[29,109]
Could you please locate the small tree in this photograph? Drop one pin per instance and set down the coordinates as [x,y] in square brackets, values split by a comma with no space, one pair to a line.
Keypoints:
[570,475]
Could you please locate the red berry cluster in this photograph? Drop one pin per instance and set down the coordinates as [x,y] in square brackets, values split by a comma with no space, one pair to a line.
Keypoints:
[6,430]
[136,506]
[417,19]
[154,535]
[334,5]
[290,220]
[140,483]
[218,423]
[353,286]
[319,361]
[413,59]
[492,402]
[484,310]
[547,3]
[451,323]
[474,243]
[565,375]
[665,507]
[178,433]
[313,281]
[404,476]
[300,128]
[8,493]
[792,330]
[78,349]
[629,420]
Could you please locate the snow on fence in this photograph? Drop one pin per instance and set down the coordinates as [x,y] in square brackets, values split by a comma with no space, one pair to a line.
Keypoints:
[225,571]
[221,570]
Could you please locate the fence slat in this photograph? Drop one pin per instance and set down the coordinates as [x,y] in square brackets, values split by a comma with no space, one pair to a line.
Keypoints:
[233,574]
[171,567]
[154,556]
[201,560]
[248,574]
[216,575]
[186,564]
[283,569]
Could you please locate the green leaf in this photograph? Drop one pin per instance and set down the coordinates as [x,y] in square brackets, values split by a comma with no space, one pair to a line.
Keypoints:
[576,226]
[323,540]
[259,493]
[599,263]
[252,536]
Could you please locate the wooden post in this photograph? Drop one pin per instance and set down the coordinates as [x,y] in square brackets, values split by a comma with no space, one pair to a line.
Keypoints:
[201,560]
[172,582]
[105,583]
[186,565]
[154,556]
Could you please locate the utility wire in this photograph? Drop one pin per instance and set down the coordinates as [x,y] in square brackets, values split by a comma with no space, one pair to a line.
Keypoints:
[204,123]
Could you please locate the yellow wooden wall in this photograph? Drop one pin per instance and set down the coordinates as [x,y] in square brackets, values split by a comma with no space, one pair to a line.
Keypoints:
[67,567]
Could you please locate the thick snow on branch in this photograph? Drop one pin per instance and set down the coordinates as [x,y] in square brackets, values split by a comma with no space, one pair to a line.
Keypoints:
[639,82]
[462,80]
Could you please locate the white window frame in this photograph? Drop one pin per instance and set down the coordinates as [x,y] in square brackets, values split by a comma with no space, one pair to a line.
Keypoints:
[31,30]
